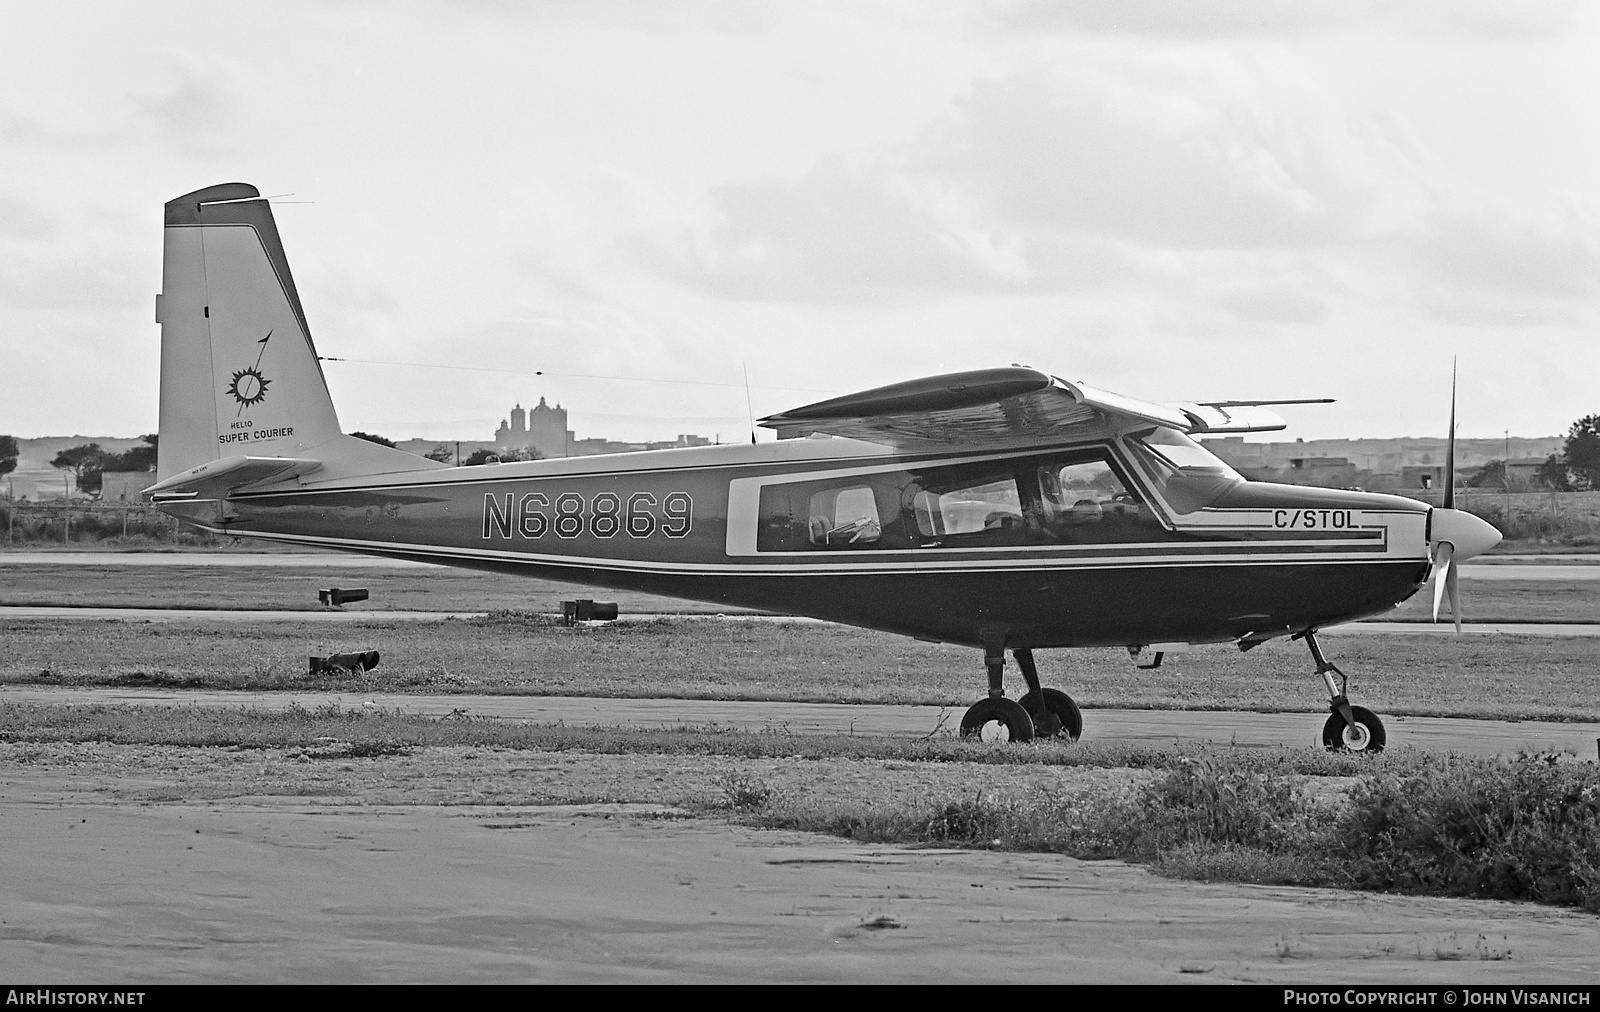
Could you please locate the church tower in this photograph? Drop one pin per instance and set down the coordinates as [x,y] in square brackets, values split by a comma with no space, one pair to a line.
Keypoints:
[547,430]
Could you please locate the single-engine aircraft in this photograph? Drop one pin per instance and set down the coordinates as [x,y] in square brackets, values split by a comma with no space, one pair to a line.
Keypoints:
[1004,509]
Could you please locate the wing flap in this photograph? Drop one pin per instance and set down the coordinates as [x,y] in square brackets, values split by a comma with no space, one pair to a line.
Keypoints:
[1231,418]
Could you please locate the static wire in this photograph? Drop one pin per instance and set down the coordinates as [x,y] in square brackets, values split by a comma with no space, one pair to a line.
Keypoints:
[567,375]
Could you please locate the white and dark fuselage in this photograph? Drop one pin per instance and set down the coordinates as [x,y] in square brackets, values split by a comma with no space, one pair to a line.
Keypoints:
[981,547]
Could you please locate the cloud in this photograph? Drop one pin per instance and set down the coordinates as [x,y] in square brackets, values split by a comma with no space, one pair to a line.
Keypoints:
[19,220]
[1216,188]
[199,108]
[847,229]
[1556,259]
[1273,303]
[1148,159]
[1531,20]
[1056,177]
[72,281]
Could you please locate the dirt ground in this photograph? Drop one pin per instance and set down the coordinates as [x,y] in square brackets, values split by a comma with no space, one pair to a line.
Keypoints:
[142,864]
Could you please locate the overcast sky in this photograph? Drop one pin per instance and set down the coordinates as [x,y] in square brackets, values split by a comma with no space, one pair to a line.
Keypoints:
[1173,200]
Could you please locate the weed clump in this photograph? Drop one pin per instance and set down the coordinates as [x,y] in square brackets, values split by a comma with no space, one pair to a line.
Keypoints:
[1527,829]
[744,792]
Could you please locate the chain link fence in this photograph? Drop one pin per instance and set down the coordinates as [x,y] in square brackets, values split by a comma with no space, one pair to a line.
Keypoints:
[68,523]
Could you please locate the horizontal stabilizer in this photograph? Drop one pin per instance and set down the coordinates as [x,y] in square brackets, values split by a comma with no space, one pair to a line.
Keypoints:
[217,479]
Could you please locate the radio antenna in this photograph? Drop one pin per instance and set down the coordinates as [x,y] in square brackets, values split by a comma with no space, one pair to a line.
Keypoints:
[747,404]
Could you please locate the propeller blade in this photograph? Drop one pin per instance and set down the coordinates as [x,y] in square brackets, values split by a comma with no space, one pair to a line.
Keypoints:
[1452,590]
[1442,553]
[1450,451]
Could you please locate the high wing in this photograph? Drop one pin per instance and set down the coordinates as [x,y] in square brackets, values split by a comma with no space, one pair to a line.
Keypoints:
[1005,406]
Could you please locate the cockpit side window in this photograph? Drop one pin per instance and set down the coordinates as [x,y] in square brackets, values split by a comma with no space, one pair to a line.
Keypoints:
[1186,474]
[1086,501]
[992,504]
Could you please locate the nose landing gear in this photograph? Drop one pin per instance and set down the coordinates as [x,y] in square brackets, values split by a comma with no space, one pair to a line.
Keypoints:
[1041,712]
[1349,728]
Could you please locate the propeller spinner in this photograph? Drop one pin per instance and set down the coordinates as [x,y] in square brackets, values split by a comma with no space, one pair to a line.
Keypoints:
[1454,535]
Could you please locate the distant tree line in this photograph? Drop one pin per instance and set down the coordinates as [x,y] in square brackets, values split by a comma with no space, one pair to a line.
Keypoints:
[444,454]
[89,462]
[500,456]
[9,452]
[1577,466]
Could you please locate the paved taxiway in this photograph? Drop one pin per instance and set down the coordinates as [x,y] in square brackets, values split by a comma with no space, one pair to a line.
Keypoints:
[1240,729]
[318,890]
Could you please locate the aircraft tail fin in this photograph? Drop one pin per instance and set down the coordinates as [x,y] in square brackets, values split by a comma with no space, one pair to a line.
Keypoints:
[239,374]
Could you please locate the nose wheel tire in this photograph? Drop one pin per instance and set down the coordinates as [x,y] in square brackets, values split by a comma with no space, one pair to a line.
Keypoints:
[997,719]
[1061,710]
[1366,736]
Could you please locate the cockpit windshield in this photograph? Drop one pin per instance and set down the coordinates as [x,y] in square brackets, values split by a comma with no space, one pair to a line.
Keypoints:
[1187,475]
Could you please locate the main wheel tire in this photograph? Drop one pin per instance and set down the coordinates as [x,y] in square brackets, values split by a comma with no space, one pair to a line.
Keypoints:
[997,719]
[1060,706]
[1367,736]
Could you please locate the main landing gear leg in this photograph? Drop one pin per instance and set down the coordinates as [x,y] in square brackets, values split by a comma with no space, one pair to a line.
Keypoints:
[997,718]
[1350,728]
[1053,711]
[1041,713]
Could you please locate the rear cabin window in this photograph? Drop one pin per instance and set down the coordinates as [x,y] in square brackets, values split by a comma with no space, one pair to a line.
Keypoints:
[853,514]
[847,516]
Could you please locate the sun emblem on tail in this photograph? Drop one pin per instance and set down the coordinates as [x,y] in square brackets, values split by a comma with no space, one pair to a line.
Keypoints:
[248,387]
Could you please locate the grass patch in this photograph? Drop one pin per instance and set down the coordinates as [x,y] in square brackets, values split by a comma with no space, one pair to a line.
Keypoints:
[706,658]
[1526,829]
[1402,821]
[368,729]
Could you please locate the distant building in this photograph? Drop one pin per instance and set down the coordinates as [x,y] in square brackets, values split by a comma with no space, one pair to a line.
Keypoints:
[544,429]
[1378,465]
[125,486]
[1523,474]
[596,446]
[1422,476]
